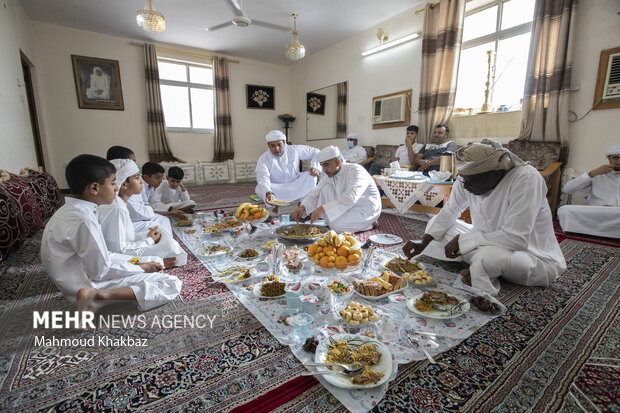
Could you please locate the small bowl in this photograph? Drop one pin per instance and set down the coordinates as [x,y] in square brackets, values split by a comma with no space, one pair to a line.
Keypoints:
[440,176]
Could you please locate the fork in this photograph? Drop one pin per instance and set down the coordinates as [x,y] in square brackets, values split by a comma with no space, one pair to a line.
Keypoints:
[347,368]
[416,340]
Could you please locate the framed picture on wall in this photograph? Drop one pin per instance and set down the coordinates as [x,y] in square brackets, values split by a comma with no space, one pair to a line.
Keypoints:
[315,103]
[260,97]
[97,83]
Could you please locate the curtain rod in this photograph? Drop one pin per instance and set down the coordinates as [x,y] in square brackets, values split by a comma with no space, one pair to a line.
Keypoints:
[165,49]
[422,10]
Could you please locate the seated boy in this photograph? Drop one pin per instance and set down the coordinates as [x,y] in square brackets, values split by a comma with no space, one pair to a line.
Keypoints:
[171,194]
[75,254]
[142,215]
[118,230]
[153,175]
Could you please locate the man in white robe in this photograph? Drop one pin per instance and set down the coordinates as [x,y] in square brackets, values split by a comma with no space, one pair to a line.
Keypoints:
[355,153]
[347,197]
[118,230]
[277,170]
[511,233]
[602,216]
[98,85]
[77,259]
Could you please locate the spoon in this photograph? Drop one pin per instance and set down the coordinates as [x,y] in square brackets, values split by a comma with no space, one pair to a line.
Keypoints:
[415,339]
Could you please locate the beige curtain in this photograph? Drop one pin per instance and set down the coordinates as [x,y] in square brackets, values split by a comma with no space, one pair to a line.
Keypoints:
[159,151]
[223,142]
[441,51]
[547,83]
[341,121]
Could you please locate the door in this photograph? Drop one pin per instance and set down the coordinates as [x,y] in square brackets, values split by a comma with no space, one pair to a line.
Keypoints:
[32,108]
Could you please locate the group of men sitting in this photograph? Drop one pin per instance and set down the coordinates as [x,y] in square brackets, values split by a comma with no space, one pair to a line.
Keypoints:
[112,239]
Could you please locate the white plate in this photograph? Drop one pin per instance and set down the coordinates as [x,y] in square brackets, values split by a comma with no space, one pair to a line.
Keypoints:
[341,305]
[256,292]
[385,239]
[202,251]
[379,297]
[387,259]
[233,280]
[435,314]
[342,381]
[260,255]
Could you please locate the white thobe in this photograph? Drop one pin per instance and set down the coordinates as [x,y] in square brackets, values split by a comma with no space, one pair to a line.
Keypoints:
[511,233]
[164,198]
[280,174]
[75,256]
[144,217]
[355,154]
[602,216]
[350,198]
[403,154]
[120,235]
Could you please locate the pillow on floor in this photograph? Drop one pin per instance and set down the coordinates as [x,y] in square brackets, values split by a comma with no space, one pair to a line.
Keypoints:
[46,190]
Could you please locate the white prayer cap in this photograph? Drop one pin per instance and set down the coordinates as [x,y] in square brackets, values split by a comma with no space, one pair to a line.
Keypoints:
[328,153]
[275,135]
[124,169]
[614,150]
[353,135]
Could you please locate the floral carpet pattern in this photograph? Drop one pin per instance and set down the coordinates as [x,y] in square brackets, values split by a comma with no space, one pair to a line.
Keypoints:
[554,350]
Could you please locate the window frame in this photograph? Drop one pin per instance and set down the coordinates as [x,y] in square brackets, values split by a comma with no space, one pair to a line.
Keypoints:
[497,35]
[189,85]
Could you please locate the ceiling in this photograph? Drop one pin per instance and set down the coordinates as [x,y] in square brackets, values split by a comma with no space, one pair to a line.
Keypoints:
[321,23]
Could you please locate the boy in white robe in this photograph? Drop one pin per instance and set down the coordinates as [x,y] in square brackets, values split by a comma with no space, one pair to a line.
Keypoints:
[172,194]
[347,197]
[355,153]
[153,176]
[142,215]
[602,216]
[277,170]
[118,230]
[511,233]
[75,255]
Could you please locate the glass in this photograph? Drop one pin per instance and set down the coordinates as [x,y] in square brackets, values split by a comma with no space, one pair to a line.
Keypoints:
[302,327]
[473,69]
[480,24]
[286,219]
[202,108]
[201,75]
[293,303]
[510,72]
[172,71]
[175,102]
[517,12]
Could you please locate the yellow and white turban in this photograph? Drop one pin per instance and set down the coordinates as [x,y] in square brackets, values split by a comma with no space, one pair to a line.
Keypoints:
[124,169]
[485,156]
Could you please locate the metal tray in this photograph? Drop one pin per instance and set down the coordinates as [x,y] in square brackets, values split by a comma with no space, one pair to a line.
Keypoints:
[287,232]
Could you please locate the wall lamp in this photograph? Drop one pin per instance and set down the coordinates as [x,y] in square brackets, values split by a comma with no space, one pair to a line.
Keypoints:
[391,44]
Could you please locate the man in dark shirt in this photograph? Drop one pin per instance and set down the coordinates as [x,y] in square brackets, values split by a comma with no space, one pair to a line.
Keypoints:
[430,156]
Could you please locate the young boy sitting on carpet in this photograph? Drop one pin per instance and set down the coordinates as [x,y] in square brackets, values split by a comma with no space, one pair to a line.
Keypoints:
[118,230]
[76,257]
[172,194]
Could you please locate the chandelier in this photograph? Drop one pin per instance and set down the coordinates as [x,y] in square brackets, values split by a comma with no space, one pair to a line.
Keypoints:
[150,19]
[295,50]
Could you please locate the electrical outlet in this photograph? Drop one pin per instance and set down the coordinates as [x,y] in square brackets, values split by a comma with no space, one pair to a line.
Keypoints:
[575,85]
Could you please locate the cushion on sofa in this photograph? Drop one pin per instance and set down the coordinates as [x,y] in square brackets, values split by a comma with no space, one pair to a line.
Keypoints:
[370,151]
[383,154]
[45,189]
[539,154]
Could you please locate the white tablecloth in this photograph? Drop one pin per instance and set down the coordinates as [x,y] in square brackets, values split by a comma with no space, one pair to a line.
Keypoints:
[404,193]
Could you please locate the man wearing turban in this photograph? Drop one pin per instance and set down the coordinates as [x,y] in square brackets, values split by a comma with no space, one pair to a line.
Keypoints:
[355,152]
[277,171]
[602,216]
[347,197]
[98,85]
[511,235]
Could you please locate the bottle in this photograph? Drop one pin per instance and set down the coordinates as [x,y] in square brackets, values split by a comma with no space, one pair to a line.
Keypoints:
[446,163]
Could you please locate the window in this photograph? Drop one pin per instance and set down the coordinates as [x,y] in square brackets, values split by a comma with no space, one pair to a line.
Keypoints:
[503,27]
[187,96]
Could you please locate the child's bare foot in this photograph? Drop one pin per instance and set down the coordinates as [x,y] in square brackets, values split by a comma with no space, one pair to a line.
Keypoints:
[88,300]
[466,276]
[169,262]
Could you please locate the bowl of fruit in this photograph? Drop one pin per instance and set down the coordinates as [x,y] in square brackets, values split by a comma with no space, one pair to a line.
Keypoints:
[251,213]
[335,251]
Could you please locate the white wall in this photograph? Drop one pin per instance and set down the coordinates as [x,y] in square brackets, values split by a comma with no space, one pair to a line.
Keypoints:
[390,71]
[324,126]
[598,28]
[73,131]
[16,138]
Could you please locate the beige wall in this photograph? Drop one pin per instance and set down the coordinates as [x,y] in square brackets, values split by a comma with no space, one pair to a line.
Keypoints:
[16,138]
[72,131]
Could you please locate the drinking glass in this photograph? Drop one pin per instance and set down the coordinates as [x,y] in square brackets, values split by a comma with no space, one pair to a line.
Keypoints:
[302,327]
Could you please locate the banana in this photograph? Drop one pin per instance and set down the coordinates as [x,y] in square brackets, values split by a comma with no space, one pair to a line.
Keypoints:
[321,242]
[350,239]
[241,208]
[331,233]
[255,209]
[338,240]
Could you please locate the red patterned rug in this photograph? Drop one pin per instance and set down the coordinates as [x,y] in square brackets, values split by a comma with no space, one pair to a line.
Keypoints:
[555,349]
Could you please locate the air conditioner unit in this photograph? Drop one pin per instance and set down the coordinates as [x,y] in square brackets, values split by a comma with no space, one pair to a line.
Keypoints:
[611,89]
[390,109]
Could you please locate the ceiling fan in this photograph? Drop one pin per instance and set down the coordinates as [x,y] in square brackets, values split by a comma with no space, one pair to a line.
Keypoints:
[242,20]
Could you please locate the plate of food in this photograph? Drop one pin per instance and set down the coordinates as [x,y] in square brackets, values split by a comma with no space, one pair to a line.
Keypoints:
[184,222]
[401,265]
[355,313]
[248,254]
[251,212]
[229,224]
[340,289]
[438,305]
[335,252]
[277,202]
[268,246]
[378,288]
[214,250]
[301,232]
[355,348]
[385,239]
[419,278]
[235,274]
[270,287]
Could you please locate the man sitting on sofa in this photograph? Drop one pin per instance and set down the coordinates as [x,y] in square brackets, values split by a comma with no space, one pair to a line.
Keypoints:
[355,153]
[405,154]
[430,156]
[602,216]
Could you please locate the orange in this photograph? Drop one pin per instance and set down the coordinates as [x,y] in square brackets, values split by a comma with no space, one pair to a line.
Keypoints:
[353,259]
[328,249]
[243,215]
[324,262]
[341,263]
[251,217]
[343,251]
[258,215]
[331,265]
[312,249]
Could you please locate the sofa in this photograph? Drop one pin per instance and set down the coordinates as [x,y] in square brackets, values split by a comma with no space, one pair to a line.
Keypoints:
[27,201]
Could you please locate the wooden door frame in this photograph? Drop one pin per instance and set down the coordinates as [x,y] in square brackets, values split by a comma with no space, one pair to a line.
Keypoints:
[32,108]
